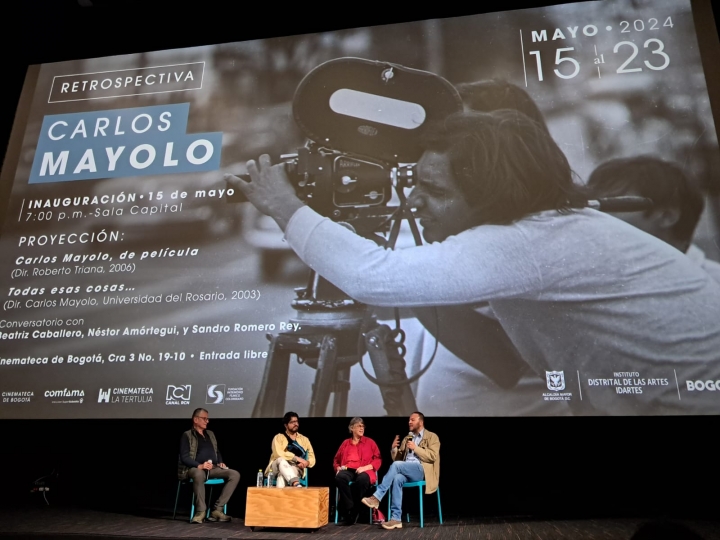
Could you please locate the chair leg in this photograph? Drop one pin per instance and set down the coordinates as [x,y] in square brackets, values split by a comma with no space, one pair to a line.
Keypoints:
[209,502]
[336,503]
[177,496]
[192,506]
[422,513]
[439,506]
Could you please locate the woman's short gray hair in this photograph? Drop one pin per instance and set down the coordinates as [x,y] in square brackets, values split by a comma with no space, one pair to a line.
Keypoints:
[356,420]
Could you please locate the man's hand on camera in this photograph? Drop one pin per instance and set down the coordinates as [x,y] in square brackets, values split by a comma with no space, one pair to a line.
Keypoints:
[269,189]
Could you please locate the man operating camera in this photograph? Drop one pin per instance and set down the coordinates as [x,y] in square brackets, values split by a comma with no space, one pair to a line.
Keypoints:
[576,292]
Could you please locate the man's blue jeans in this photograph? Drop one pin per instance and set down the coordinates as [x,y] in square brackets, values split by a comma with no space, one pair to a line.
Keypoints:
[399,473]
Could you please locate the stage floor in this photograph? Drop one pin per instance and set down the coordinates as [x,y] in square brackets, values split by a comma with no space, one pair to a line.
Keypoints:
[57,522]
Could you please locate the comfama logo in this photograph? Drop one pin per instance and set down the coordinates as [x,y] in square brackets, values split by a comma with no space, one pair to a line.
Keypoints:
[699,386]
[65,393]
[178,395]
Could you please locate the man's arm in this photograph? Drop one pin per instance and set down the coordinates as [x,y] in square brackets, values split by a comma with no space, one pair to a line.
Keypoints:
[337,459]
[430,453]
[477,340]
[397,452]
[185,453]
[476,265]
[310,454]
[376,461]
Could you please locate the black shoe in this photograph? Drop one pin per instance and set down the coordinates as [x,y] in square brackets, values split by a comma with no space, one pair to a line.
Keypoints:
[346,521]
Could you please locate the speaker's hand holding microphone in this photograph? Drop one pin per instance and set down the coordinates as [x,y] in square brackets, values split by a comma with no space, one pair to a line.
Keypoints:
[409,444]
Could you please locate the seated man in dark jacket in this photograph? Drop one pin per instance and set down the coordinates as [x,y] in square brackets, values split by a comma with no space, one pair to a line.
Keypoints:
[200,460]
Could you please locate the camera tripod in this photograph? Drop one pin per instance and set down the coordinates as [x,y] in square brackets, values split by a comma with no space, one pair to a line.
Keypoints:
[336,331]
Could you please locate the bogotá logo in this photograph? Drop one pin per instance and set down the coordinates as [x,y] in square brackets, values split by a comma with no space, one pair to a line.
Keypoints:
[215,394]
[701,386]
[17,397]
[555,380]
[178,395]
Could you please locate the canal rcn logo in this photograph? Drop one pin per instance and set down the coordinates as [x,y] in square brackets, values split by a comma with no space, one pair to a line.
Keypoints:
[555,380]
[215,394]
[178,395]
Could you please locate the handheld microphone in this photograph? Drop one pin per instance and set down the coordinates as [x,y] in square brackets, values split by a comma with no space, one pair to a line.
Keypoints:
[409,437]
[621,204]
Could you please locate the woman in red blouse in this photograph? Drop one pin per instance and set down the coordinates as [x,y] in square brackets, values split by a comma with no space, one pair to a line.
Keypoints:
[357,461]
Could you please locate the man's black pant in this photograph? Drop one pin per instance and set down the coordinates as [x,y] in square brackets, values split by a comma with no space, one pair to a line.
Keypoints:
[349,504]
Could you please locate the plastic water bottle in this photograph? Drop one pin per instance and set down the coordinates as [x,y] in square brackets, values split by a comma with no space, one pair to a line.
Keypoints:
[271,479]
[260,478]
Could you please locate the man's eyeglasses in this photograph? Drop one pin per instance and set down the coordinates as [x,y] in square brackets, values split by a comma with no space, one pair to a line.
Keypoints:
[203,418]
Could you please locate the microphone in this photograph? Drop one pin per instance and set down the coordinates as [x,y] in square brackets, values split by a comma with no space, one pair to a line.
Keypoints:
[409,437]
[625,203]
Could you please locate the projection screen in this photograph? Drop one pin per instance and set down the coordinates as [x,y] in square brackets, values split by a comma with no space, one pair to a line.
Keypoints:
[137,281]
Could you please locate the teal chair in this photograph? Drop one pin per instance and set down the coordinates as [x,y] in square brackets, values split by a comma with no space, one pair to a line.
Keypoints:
[420,485]
[337,496]
[210,482]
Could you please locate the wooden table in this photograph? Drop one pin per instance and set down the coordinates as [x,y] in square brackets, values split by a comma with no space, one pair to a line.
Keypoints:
[305,508]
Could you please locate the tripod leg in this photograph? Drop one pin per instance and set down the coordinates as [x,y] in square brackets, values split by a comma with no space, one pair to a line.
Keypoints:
[271,399]
[398,399]
[342,387]
[325,376]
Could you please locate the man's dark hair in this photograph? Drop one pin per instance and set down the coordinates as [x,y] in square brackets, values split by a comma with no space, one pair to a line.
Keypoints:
[289,416]
[198,411]
[506,165]
[648,176]
[496,94]
[421,415]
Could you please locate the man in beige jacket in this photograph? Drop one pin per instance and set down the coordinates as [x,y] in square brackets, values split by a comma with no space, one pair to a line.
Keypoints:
[292,453]
[416,457]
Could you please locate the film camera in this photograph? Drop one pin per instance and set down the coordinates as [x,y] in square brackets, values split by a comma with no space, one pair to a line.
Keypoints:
[364,121]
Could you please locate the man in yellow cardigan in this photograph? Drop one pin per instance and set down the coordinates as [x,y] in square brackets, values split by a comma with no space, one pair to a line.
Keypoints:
[415,458]
[292,453]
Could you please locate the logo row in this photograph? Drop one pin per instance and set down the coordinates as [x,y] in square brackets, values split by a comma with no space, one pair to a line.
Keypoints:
[216,394]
